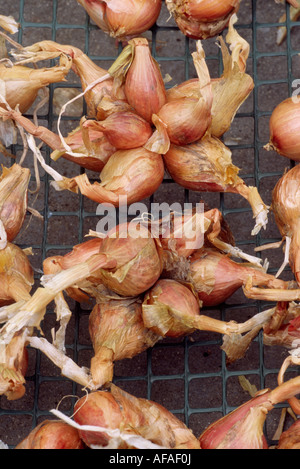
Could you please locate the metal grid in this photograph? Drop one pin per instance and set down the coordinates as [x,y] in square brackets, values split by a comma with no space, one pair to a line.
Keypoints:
[188,376]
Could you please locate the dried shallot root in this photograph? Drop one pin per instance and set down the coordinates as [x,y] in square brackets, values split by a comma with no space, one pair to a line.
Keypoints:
[206,166]
[52,434]
[115,419]
[230,90]
[123,19]
[204,19]
[14,182]
[243,428]
[117,332]
[284,129]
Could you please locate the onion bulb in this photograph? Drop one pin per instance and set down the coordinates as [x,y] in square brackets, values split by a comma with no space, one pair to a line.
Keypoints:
[285,128]
[215,276]
[129,176]
[117,332]
[118,410]
[286,206]
[202,19]
[243,427]
[123,19]
[206,166]
[52,434]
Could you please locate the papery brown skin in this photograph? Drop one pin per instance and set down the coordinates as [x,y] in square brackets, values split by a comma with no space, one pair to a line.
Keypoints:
[14,182]
[285,128]
[116,409]
[286,334]
[215,276]
[286,207]
[117,332]
[123,19]
[52,434]
[129,176]
[205,19]
[123,130]
[144,86]
[290,439]
[16,275]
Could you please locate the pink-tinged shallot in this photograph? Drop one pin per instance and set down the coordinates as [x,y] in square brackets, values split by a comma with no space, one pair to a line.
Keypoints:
[286,207]
[144,87]
[215,276]
[186,119]
[206,166]
[202,19]
[285,128]
[124,130]
[243,427]
[117,332]
[129,176]
[123,19]
[132,416]
[52,434]
[92,146]
[16,275]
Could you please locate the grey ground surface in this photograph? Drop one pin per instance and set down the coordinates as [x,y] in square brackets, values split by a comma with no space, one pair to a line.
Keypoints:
[188,376]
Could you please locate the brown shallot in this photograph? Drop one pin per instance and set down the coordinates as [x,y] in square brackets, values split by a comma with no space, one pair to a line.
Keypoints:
[206,166]
[284,129]
[115,409]
[14,183]
[52,434]
[123,19]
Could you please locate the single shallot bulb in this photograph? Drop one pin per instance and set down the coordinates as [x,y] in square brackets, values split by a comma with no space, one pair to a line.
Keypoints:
[129,176]
[16,275]
[91,144]
[206,166]
[144,87]
[52,434]
[14,183]
[284,129]
[123,19]
[119,410]
[117,332]
[136,258]
[243,427]
[290,439]
[171,309]
[286,207]
[202,19]
[215,276]
[186,119]
[124,130]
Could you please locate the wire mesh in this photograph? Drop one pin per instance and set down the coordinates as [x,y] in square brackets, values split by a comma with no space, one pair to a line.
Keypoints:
[189,376]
